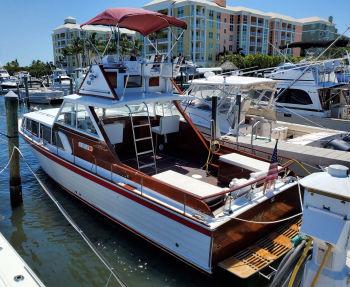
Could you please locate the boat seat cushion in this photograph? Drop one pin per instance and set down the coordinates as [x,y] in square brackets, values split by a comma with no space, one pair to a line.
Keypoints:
[114,132]
[245,162]
[187,183]
[167,125]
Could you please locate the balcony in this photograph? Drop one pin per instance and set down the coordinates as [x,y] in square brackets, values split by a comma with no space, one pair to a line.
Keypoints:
[200,26]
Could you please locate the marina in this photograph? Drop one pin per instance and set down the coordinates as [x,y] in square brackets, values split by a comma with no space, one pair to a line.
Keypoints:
[136,159]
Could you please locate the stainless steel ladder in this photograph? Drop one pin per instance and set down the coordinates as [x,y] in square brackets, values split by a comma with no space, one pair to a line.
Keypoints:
[142,165]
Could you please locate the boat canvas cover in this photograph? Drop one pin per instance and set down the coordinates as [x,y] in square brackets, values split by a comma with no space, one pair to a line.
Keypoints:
[239,82]
[143,21]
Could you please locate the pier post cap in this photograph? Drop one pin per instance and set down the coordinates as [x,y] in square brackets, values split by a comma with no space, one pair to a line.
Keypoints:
[11,95]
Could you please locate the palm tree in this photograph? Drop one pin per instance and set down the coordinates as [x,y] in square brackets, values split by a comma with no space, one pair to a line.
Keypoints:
[77,48]
[137,47]
[91,44]
[66,51]
[125,45]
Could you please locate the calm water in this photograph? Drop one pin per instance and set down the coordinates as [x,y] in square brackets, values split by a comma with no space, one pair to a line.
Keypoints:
[59,256]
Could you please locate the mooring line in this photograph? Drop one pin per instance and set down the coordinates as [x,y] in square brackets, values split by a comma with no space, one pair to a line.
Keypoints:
[69,219]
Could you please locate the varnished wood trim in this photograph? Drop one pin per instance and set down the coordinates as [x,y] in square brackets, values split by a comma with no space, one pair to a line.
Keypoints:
[103,133]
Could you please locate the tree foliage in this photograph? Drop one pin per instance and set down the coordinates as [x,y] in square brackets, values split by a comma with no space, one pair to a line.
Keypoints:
[258,61]
[37,68]
[12,67]
[75,48]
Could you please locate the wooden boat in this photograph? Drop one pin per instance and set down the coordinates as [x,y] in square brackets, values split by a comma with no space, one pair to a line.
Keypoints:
[124,146]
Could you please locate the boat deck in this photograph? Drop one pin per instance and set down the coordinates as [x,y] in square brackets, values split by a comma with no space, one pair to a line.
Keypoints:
[166,162]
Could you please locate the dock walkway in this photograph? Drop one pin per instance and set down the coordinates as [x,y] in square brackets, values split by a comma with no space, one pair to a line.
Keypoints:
[309,155]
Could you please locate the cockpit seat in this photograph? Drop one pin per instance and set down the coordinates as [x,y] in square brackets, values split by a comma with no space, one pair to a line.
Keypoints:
[167,125]
[114,132]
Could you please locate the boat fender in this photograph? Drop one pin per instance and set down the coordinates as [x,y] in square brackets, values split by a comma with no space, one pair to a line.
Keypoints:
[338,144]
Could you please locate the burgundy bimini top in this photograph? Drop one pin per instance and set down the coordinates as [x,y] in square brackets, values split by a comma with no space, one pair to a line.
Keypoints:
[143,21]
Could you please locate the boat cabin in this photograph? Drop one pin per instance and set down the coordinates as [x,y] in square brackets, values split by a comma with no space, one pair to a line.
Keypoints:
[312,89]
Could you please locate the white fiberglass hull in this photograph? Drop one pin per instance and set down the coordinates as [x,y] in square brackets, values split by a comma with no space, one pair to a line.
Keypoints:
[169,231]
[14,271]
[43,96]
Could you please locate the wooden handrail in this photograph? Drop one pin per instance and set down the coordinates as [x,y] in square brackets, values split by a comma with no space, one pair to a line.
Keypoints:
[172,192]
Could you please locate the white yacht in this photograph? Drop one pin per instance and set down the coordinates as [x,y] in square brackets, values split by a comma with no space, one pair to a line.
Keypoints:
[42,95]
[246,113]
[124,146]
[6,82]
[60,80]
[311,93]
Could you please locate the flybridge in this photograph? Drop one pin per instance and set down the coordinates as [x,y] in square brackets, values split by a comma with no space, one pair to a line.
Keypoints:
[116,77]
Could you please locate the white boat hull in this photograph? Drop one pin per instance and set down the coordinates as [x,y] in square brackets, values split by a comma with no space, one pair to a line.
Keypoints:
[152,222]
[13,270]
[38,96]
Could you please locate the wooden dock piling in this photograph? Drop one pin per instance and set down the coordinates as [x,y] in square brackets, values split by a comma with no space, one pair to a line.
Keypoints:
[11,105]
[26,99]
[70,86]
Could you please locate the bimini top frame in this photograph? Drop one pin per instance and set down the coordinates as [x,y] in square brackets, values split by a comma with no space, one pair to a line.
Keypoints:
[140,20]
[143,21]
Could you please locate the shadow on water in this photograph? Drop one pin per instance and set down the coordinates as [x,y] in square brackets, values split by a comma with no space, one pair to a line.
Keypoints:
[56,252]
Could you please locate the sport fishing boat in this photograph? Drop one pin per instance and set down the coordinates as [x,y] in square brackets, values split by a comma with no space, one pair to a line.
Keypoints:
[124,146]
[247,117]
[313,91]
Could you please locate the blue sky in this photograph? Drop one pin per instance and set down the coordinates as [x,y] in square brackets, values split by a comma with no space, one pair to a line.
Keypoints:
[26,25]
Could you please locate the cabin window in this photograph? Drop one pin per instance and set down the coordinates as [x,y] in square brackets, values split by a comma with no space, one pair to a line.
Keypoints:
[32,127]
[67,115]
[84,122]
[45,133]
[153,82]
[294,96]
[133,81]
[56,140]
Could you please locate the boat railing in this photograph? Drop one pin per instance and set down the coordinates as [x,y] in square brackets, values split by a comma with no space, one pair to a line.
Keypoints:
[254,134]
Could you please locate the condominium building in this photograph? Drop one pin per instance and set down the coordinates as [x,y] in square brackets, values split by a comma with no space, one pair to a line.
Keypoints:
[316,29]
[215,28]
[64,35]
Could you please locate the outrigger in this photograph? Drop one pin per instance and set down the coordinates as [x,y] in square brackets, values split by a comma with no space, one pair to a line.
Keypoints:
[124,146]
